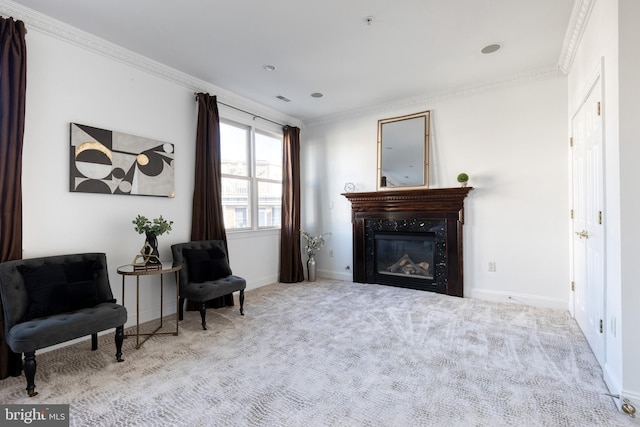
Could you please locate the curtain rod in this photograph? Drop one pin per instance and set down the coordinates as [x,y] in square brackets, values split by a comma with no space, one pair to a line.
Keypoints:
[255,116]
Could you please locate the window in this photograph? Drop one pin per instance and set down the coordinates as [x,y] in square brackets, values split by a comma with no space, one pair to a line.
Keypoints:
[251,162]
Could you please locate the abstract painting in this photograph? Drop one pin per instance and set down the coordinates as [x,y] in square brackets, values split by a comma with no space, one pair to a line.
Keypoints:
[103,161]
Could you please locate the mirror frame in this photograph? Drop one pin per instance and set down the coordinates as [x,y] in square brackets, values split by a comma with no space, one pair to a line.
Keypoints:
[426,116]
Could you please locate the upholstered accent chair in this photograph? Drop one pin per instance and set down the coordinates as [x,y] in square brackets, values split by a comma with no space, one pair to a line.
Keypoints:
[51,300]
[205,274]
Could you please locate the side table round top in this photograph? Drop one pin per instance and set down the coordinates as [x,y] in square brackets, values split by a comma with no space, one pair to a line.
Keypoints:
[164,267]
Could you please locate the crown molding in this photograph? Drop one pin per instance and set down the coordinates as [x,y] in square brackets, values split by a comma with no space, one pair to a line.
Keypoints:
[422,100]
[577,25]
[45,24]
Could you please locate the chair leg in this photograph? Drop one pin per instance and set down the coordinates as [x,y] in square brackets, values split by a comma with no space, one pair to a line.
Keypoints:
[203,313]
[30,372]
[241,302]
[119,339]
[180,308]
[94,342]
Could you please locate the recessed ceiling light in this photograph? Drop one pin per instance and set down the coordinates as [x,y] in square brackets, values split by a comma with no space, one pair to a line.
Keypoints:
[491,48]
[269,68]
[317,95]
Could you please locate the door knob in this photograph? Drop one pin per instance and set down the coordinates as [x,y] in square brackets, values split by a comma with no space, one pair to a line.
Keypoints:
[583,233]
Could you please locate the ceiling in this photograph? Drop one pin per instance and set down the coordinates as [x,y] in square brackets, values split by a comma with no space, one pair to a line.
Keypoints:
[410,49]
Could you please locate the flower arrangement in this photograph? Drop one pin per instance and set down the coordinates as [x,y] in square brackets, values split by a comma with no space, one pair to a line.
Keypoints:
[157,227]
[314,243]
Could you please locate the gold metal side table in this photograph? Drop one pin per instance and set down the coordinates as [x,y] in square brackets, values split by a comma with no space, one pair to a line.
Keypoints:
[164,268]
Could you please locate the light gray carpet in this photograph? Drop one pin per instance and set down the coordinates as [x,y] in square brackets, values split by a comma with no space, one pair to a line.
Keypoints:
[334,353]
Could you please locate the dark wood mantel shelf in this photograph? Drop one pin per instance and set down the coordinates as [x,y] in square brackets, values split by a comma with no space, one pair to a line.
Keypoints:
[437,204]
[421,200]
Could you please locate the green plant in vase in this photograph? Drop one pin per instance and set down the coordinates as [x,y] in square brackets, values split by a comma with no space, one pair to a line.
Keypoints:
[152,229]
[463,179]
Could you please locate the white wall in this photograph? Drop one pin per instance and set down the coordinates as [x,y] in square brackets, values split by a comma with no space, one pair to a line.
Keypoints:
[67,83]
[513,143]
[629,87]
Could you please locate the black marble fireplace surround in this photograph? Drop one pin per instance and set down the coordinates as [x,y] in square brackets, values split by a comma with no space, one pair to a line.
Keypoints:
[422,230]
[416,246]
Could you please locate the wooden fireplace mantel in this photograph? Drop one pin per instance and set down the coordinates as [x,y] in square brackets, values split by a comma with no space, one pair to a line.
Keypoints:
[446,204]
[420,200]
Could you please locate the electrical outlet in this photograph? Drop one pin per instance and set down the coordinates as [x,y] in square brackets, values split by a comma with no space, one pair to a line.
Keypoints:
[492,266]
[331,253]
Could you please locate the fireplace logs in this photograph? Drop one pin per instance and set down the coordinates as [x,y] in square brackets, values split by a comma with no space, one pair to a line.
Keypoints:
[406,266]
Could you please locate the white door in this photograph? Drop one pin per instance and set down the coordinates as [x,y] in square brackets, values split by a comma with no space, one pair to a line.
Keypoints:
[588,220]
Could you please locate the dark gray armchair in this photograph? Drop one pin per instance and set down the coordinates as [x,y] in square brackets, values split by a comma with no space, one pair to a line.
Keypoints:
[51,300]
[205,274]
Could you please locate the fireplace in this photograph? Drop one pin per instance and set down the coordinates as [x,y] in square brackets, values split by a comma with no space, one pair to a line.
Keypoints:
[410,238]
[404,255]
[408,253]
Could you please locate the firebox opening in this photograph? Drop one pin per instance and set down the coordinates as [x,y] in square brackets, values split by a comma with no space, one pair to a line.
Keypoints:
[405,255]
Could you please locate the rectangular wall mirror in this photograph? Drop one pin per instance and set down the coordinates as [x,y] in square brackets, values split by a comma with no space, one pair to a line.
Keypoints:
[403,152]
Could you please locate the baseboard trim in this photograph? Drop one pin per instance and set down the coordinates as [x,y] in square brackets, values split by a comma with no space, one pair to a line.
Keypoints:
[517,298]
[346,276]
[613,385]
[254,284]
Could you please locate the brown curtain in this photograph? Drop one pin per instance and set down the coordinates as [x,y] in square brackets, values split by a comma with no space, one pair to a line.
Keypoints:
[290,260]
[13,85]
[207,222]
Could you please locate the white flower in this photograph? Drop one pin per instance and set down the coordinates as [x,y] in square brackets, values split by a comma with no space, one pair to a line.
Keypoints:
[314,243]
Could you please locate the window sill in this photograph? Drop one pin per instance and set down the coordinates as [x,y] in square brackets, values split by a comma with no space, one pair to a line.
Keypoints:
[247,234]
